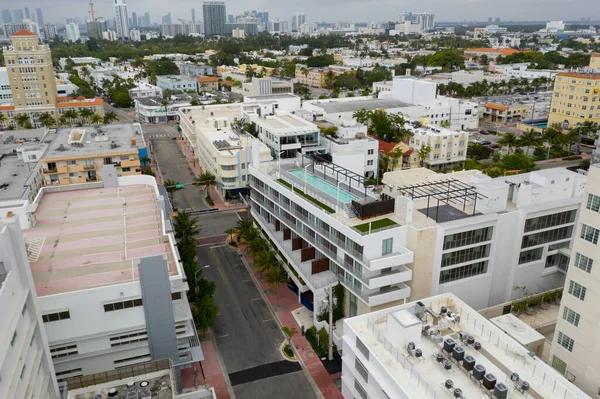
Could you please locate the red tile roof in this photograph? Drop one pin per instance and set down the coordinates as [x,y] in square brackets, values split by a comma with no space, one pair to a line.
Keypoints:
[23,32]
[386,148]
[580,75]
[503,51]
[92,102]
[207,79]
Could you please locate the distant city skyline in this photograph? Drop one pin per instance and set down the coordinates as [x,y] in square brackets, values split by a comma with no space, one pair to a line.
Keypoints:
[329,10]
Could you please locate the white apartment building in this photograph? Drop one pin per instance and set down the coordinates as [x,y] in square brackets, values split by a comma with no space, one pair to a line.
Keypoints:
[439,347]
[25,363]
[427,234]
[5,92]
[72,30]
[414,98]
[111,289]
[351,148]
[448,147]
[285,102]
[221,147]
[266,87]
[574,347]
[284,133]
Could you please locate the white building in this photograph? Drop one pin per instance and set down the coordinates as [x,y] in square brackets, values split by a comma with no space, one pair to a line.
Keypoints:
[284,133]
[238,33]
[295,48]
[555,26]
[145,89]
[298,19]
[285,102]
[307,28]
[448,147]
[149,108]
[266,87]
[494,30]
[121,19]
[440,347]
[72,30]
[5,91]
[111,289]
[424,20]
[135,35]
[79,61]
[221,146]
[110,35]
[415,98]
[25,363]
[574,350]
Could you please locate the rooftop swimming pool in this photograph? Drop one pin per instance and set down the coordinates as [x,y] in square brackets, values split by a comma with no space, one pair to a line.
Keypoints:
[539,124]
[324,186]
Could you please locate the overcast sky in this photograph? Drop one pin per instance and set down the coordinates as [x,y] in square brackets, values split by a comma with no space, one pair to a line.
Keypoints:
[332,10]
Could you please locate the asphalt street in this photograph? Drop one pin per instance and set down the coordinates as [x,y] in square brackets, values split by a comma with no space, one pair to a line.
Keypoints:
[173,165]
[248,337]
[214,224]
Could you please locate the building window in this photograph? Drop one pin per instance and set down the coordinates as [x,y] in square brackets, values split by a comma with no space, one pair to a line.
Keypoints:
[571,316]
[359,388]
[545,237]
[370,163]
[530,255]
[47,318]
[361,370]
[465,255]
[577,290]
[228,167]
[467,238]
[593,203]
[64,351]
[565,341]
[129,359]
[386,247]
[589,233]
[109,307]
[370,152]
[559,365]
[71,162]
[583,262]
[459,273]
[362,348]
[24,310]
[546,221]
[13,339]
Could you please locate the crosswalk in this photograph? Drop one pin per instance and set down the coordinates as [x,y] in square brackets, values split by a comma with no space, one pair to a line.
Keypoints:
[162,135]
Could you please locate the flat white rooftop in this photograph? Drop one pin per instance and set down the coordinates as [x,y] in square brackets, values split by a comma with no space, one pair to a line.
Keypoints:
[425,376]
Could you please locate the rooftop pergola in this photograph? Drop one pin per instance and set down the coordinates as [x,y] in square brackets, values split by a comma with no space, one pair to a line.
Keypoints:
[449,191]
[335,171]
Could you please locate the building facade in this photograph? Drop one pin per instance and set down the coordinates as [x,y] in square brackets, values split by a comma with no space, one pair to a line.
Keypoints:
[121,19]
[575,99]
[298,19]
[215,17]
[177,83]
[25,363]
[208,83]
[505,113]
[574,352]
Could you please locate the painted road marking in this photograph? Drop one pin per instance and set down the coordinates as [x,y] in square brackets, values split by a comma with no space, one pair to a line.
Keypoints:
[256,299]
[268,320]
[223,336]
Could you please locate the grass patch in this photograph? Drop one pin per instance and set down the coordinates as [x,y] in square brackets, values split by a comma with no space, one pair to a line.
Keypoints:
[307,197]
[288,351]
[378,224]
[209,200]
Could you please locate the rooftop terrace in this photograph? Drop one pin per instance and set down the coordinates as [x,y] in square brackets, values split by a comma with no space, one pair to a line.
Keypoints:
[437,327]
[95,141]
[355,105]
[92,238]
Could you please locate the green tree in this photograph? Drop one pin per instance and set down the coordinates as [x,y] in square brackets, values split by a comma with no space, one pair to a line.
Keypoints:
[275,277]
[265,260]
[96,119]
[509,140]
[3,119]
[171,187]
[110,117]
[477,151]
[530,139]
[289,333]
[329,130]
[123,99]
[23,121]
[85,114]
[72,116]
[208,180]
[47,120]
[424,152]
[206,311]
[517,161]
[145,160]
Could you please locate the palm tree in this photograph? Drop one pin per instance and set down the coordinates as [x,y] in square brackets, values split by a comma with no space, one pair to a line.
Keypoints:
[394,158]
[171,187]
[85,115]
[144,160]
[530,139]
[275,277]
[47,120]
[96,119]
[509,140]
[424,152]
[208,179]
[265,260]
[230,231]
[63,121]
[256,245]
[109,117]
[3,119]
[185,226]
[23,121]
[289,333]
[71,115]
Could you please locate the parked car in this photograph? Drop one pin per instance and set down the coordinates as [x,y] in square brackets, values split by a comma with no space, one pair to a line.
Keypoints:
[484,132]
[494,145]
[484,142]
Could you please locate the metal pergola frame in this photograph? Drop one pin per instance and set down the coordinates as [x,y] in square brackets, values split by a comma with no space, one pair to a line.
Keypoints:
[336,170]
[447,191]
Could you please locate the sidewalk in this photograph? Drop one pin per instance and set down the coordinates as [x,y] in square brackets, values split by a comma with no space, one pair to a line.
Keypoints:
[212,371]
[584,155]
[284,304]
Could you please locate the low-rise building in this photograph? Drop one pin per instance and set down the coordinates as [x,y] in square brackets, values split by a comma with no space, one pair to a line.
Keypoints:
[5,91]
[285,134]
[25,361]
[79,61]
[315,77]
[441,347]
[266,87]
[286,102]
[112,292]
[595,61]
[575,99]
[152,110]
[177,83]
[145,89]
[78,155]
[503,113]
[448,148]
[208,83]
[213,134]
[472,54]
[192,69]
[21,172]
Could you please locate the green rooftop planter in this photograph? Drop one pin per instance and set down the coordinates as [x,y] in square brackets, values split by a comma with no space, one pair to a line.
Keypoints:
[376,225]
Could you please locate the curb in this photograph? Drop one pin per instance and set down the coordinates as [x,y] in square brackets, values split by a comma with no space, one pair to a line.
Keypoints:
[313,383]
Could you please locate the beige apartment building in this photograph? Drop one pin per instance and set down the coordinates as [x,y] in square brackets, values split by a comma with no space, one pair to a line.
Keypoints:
[32,82]
[576,99]
[502,113]
[576,344]
[78,155]
[314,77]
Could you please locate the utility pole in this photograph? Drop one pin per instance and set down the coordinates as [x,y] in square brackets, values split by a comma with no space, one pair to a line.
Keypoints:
[94,29]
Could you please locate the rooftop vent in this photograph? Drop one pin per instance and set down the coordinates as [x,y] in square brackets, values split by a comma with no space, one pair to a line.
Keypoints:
[61,148]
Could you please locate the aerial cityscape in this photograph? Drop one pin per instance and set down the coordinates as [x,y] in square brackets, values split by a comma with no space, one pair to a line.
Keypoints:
[313,200]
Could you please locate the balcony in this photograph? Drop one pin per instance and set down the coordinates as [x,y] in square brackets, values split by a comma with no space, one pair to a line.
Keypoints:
[91,178]
[400,257]
[291,146]
[59,169]
[81,179]
[399,275]
[376,297]
[130,164]
[64,180]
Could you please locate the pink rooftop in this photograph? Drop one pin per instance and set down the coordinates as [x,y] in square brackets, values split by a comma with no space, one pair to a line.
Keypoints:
[93,238]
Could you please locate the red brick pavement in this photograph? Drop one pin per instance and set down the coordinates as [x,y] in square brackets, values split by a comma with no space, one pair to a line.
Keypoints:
[212,371]
[284,303]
